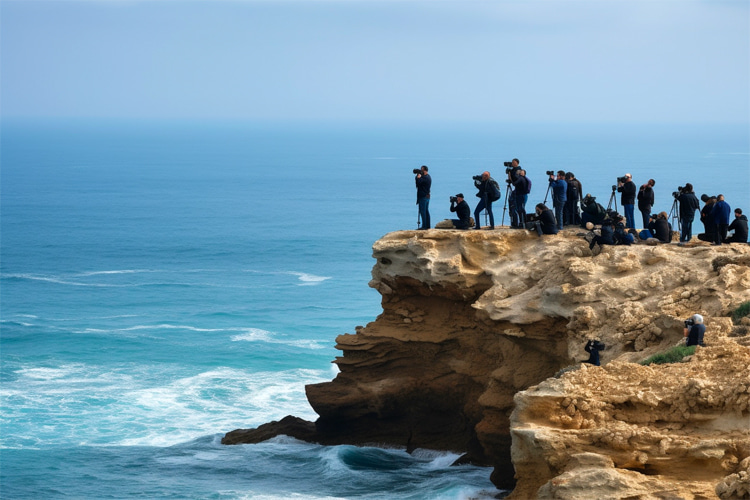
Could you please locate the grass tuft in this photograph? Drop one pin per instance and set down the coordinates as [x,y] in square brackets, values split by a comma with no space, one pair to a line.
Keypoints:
[674,355]
[741,311]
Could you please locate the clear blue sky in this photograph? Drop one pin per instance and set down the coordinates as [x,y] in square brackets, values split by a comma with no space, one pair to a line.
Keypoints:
[531,60]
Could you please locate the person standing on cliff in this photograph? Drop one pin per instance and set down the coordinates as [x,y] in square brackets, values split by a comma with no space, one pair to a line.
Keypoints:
[688,205]
[513,172]
[521,188]
[627,199]
[646,201]
[572,214]
[461,208]
[424,182]
[559,195]
[489,192]
[720,214]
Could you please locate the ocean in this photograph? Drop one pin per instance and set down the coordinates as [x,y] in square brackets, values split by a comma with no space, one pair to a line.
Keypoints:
[162,283]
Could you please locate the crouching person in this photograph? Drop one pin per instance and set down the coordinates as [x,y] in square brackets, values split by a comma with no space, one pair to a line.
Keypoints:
[462,210]
[545,222]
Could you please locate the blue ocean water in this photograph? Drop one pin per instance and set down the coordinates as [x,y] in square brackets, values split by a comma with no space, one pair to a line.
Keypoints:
[163,283]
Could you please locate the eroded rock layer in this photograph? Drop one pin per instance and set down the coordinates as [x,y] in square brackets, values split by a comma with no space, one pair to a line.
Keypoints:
[470,318]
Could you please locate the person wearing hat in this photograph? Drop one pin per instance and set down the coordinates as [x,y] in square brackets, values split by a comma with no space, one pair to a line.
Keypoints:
[461,208]
[694,330]
[627,199]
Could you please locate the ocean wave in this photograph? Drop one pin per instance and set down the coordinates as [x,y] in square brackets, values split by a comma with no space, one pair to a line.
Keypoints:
[260,335]
[305,278]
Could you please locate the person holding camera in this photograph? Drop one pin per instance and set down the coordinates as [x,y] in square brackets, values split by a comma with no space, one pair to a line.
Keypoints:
[559,194]
[688,205]
[512,169]
[646,200]
[424,182]
[489,192]
[694,330]
[739,226]
[462,210]
[544,221]
[593,347]
[720,214]
[520,193]
[626,186]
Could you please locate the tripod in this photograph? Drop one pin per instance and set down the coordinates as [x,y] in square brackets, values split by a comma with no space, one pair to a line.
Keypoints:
[505,205]
[547,194]
[674,214]
[612,198]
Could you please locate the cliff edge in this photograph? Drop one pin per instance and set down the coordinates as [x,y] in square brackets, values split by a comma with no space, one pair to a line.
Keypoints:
[473,318]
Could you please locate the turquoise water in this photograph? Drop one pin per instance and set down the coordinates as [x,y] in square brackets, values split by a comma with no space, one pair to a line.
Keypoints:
[164,283]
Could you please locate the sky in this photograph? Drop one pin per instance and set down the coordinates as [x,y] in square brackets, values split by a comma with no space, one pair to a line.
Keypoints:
[658,61]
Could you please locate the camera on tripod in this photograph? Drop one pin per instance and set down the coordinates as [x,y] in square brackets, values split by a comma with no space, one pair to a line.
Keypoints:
[508,166]
[550,172]
[417,171]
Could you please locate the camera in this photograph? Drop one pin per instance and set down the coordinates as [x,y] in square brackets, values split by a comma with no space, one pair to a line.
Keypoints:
[454,199]
[550,172]
[689,322]
[508,164]
[530,221]
[622,180]
[417,171]
[595,344]
[614,188]
[676,194]
[477,177]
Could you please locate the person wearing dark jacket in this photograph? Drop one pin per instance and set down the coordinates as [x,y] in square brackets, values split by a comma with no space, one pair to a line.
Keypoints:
[571,215]
[521,193]
[461,208]
[606,236]
[739,226]
[592,211]
[695,331]
[559,195]
[545,223]
[627,199]
[513,173]
[646,200]
[593,347]
[709,226]
[487,194]
[720,214]
[424,182]
[688,205]
[661,228]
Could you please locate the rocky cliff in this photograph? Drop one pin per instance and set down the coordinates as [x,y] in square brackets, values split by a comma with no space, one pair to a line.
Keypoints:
[475,324]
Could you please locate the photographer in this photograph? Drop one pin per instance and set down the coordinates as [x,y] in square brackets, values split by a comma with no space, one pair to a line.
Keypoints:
[522,186]
[661,228]
[622,236]
[592,211]
[559,195]
[720,214]
[513,171]
[593,347]
[544,221]
[489,192]
[694,330]
[646,200]
[739,226]
[688,205]
[626,186]
[571,214]
[424,182]
[461,208]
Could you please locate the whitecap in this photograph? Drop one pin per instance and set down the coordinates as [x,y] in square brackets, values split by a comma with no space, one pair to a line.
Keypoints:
[309,279]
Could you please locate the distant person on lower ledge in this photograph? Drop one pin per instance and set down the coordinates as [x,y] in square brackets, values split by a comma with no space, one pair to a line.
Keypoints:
[545,222]
[461,208]
[694,330]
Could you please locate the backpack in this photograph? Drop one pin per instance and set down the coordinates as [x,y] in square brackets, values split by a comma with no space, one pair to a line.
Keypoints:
[528,187]
[494,193]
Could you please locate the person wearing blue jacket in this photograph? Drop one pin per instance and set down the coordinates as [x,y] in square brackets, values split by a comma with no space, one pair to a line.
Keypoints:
[720,214]
[559,195]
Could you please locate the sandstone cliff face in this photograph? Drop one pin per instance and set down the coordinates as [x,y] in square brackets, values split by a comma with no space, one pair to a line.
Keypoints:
[470,318]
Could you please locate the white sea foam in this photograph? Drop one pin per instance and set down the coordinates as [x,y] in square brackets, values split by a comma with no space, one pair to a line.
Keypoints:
[309,279]
[144,404]
[259,335]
